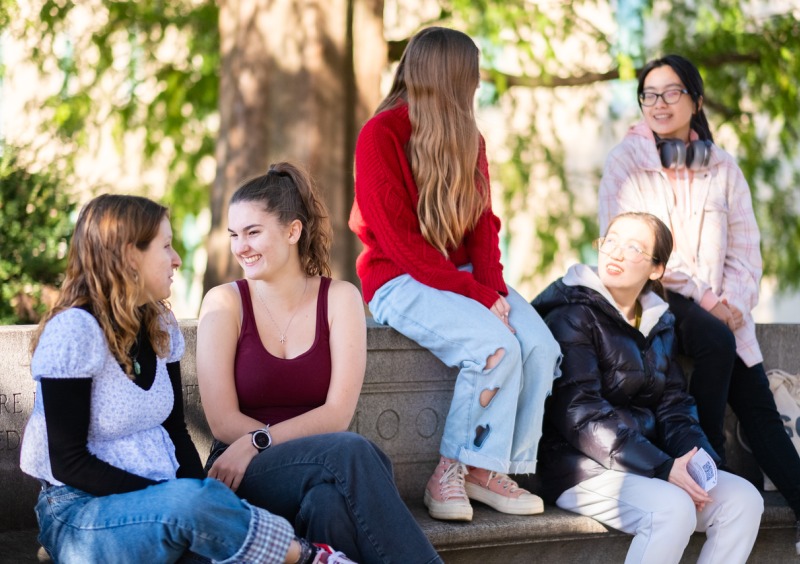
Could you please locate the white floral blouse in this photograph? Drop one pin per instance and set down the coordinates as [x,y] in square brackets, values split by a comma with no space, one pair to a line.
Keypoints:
[125,424]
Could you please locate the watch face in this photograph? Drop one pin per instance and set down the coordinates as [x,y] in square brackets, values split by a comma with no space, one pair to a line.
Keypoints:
[261,439]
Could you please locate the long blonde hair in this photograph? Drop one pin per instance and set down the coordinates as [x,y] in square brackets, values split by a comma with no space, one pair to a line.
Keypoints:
[100,277]
[438,75]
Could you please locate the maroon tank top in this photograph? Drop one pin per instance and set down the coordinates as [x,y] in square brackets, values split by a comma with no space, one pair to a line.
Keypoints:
[273,389]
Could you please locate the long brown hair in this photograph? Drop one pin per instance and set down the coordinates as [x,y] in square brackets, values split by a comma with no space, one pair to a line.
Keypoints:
[289,192]
[438,75]
[662,247]
[101,278]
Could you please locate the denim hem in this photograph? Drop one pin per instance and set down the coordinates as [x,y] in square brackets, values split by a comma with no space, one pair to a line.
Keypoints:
[478,460]
[522,467]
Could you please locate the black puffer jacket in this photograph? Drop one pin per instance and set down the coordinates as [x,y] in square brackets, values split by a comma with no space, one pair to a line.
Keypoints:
[620,403]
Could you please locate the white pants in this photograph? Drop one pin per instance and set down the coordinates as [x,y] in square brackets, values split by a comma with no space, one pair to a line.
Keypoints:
[662,516]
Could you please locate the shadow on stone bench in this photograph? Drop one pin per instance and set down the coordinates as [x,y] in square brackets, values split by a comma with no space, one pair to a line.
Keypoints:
[405,398]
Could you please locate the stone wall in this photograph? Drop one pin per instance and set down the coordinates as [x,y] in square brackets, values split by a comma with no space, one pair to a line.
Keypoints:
[403,404]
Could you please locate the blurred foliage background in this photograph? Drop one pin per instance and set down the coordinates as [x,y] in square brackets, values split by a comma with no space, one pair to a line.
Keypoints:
[541,59]
[36,215]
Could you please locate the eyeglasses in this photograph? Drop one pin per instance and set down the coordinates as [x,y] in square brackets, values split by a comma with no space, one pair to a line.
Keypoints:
[669,96]
[631,252]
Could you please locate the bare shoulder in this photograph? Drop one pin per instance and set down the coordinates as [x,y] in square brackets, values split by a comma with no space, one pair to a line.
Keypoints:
[344,297]
[222,299]
[344,290]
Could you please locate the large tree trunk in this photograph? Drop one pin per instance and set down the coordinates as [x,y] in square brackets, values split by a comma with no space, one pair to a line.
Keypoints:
[297,81]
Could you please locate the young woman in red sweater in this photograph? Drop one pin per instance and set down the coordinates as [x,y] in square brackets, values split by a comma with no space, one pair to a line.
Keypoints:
[431,270]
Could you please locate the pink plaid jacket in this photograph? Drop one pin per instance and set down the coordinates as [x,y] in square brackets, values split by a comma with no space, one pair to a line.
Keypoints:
[726,262]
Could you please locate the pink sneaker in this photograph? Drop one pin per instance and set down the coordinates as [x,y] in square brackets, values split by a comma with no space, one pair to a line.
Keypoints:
[445,496]
[501,493]
[326,555]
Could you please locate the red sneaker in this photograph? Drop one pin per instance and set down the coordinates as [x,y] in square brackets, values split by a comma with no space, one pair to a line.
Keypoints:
[326,555]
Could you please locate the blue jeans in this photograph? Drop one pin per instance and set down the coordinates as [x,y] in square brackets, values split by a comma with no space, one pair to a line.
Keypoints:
[338,489]
[504,435]
[720,377]
[158,525]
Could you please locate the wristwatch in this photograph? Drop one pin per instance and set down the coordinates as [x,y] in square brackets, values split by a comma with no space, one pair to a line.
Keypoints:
[262,440]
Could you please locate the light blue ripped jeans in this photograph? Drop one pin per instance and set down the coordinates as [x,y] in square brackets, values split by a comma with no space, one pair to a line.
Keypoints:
[461,332]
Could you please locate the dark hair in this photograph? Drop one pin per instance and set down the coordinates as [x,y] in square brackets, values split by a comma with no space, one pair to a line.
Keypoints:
[662,247]
[289,192]
[691,79]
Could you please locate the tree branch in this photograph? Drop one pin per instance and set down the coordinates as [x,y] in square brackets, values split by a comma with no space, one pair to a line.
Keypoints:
[549,81]
[613,74]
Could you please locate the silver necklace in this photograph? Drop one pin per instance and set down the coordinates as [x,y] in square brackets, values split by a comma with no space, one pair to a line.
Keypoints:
[275,323]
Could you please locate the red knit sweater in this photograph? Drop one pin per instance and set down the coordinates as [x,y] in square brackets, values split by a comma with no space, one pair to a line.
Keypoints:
[384,217]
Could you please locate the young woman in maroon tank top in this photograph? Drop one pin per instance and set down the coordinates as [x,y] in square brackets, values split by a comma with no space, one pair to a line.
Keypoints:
[281,356]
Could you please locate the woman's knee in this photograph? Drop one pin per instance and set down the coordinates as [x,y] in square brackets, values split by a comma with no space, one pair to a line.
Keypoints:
[742,498]
[677,517]
[701,327]
[508,343]
[185,496]
[353,450]
[723,339]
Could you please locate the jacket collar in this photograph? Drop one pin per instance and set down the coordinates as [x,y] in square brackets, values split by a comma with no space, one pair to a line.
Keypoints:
[653,307]
[645,152]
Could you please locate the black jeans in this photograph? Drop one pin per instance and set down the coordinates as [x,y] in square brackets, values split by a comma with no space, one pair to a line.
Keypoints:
[721,377]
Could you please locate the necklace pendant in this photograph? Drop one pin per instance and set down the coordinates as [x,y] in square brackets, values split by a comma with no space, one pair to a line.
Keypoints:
[282,337]
[137,369]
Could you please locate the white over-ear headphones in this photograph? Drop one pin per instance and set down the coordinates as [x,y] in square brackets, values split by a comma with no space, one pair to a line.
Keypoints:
[676,154]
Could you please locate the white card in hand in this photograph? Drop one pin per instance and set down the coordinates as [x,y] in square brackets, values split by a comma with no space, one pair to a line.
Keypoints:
[702,469]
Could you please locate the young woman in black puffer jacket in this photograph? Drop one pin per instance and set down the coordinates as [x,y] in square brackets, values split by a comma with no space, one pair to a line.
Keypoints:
[620,428]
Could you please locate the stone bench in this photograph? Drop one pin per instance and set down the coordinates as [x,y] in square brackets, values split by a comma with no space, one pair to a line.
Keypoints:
[404,401]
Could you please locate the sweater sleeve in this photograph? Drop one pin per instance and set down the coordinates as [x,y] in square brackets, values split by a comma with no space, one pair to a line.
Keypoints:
[582,415]
[741,273]
[66,407]
[175,425]
[678,424]
[384,198]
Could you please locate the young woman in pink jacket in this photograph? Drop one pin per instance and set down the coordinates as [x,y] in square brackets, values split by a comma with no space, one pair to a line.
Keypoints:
[668,165]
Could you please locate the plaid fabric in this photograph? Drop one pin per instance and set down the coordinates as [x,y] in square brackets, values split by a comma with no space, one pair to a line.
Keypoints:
[267,540]
[717,241]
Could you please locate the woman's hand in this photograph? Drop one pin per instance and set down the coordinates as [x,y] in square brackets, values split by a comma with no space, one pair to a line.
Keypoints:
[736,315]
[681,478]
[502,310]
[230,467]
[723,312]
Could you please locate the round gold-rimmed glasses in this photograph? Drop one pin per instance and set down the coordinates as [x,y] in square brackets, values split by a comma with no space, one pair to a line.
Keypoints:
[631,252]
